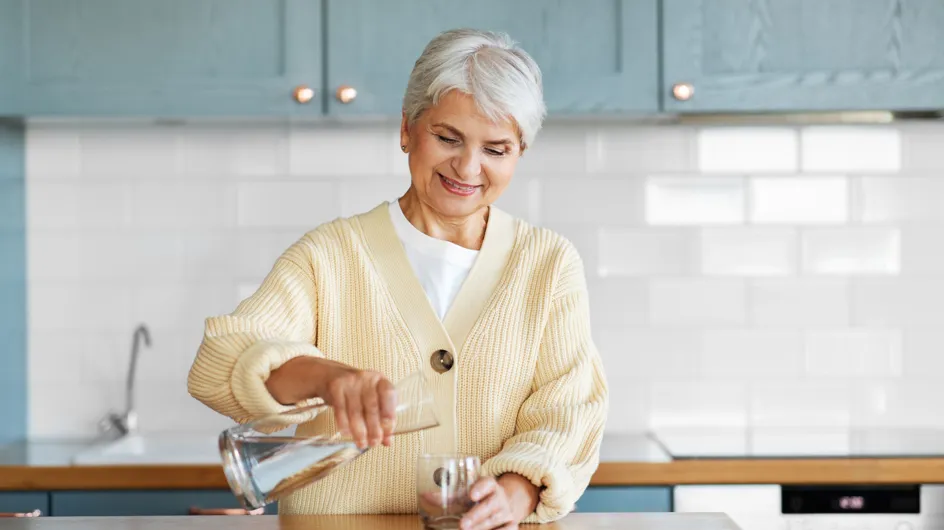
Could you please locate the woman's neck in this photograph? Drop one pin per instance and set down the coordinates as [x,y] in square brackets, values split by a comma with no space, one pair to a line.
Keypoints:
[468,232]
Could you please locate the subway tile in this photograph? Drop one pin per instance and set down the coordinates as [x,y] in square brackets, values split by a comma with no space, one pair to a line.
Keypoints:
[921,146]
[748,354]
[799,303]
[102,257]
[854,353]
[221,151]
[585,238]
[650,353]
[646,251]
[890,199]
[303,205]
[521,199]
[73,306]
[208,256]
[922,348]
[105,357]
[53,357]
[57,411]
[360,195]
[922,250]
[748,251]
[748,150]
[168,359]
[880,302]
[850,251]
[339,150]
[694,201]
[47,250]
[638,149]
[629,404]
[613,201]
[557,150]
[128,152]
[157,255]
[907,403]
[800,403]
[616,303]
[172,306]
[842,148]
[52,152]
[182,204]
[255,252]
[74,205]
[690,301]
[799,200]
[697,404]
[166,407]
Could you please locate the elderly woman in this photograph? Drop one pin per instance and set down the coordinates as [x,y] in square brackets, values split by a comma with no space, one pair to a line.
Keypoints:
[492,310]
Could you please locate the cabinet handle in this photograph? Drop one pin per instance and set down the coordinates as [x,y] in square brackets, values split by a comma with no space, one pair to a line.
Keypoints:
[303,93]
[683,91]
[346,94]
[225,511]
[34,513]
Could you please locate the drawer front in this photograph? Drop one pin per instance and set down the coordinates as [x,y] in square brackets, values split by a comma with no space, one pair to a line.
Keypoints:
[612,499]
[24,501]
[139,502]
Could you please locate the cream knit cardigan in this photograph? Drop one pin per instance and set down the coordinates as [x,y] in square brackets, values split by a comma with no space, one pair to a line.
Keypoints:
[527,393]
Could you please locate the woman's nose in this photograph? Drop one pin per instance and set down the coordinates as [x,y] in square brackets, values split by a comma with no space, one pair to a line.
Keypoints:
[467,164]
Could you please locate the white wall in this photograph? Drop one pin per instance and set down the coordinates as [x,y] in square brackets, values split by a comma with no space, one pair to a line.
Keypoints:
[761,276]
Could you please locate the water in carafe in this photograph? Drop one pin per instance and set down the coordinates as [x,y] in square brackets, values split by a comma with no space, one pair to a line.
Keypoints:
[267,459]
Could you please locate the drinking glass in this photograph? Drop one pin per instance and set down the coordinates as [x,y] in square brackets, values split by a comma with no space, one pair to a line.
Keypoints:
[266,459]
[443,488]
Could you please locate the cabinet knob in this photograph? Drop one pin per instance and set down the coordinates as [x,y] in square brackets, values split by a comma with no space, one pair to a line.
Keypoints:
[303,93]
[683,91]
[346,94]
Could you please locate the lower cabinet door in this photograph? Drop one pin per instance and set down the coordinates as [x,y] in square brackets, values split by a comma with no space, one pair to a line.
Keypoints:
[24,502]
[141,502]
[614,499]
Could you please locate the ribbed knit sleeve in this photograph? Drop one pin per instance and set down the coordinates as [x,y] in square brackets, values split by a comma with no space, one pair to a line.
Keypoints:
[239,350]
[560,425]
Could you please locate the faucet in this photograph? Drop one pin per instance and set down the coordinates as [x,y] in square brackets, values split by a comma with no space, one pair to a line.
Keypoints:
[127,422]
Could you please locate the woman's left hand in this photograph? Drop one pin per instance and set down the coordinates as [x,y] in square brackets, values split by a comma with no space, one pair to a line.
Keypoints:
[500,503]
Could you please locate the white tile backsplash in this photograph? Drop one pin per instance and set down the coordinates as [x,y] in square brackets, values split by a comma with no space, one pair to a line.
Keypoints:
[688,201]
[748,251]
[776,276]
[799,200]
[850,149]
[748,150]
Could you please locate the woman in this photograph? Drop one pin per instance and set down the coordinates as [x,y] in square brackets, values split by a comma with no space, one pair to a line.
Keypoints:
[492,310]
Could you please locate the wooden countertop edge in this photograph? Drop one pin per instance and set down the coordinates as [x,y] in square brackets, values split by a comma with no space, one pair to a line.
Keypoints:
[720,471]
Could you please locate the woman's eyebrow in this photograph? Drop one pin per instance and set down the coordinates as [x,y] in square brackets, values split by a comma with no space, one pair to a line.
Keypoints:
[457,132]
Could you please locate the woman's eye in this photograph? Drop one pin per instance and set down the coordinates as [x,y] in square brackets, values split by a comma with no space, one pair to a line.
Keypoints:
[447,140]
[495,152]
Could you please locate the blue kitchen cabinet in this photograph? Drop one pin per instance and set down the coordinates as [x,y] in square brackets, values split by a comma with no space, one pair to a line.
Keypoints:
[140,502]
[626,499]
[799,55]
[596,56]
[11,59]
[24,501]
[168,57]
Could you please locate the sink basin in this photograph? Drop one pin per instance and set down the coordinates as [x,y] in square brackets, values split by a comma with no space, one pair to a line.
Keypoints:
[152,449]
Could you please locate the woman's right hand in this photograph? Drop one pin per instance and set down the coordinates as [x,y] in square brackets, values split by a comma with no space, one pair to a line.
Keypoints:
[364,402]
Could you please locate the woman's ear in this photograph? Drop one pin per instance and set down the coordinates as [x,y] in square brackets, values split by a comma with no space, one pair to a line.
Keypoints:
[404,133]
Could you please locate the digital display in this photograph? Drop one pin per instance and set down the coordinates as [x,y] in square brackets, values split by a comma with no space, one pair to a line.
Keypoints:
[852,502]
[834,499]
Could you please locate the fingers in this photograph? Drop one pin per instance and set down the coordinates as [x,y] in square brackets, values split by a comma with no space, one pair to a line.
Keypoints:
[371,402]
[492,510]
[482,488]
[355,417]
[388,408]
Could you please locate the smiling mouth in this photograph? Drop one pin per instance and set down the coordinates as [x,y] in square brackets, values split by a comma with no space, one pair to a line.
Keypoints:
[455,186]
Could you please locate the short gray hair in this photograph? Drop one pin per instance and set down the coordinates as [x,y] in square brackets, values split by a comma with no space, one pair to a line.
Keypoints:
[503,79]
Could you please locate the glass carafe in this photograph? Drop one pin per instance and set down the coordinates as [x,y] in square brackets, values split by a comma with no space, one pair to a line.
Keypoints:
[266,459]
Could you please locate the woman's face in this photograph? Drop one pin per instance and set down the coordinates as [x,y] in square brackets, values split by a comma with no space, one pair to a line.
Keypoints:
[460,162]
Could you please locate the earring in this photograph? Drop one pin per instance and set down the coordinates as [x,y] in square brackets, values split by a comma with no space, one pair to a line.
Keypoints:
[403,148]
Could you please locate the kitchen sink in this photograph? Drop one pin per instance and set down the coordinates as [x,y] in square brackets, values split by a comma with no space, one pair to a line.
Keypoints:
[145,449]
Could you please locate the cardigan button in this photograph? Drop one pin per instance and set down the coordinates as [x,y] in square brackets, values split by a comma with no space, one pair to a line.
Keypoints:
[442,361]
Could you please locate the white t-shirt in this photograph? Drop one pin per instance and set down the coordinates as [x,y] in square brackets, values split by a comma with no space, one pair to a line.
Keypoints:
[440,266]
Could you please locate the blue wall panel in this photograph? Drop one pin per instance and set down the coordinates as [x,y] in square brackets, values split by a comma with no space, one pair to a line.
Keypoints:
[13,376]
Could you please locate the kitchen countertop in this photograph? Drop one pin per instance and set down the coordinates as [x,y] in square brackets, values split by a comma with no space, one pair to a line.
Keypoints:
[361,522]
[625,460]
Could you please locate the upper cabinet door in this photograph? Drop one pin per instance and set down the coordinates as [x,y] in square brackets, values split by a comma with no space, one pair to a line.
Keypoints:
[11,59]
[172,57]
[759,55]
[595,55]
